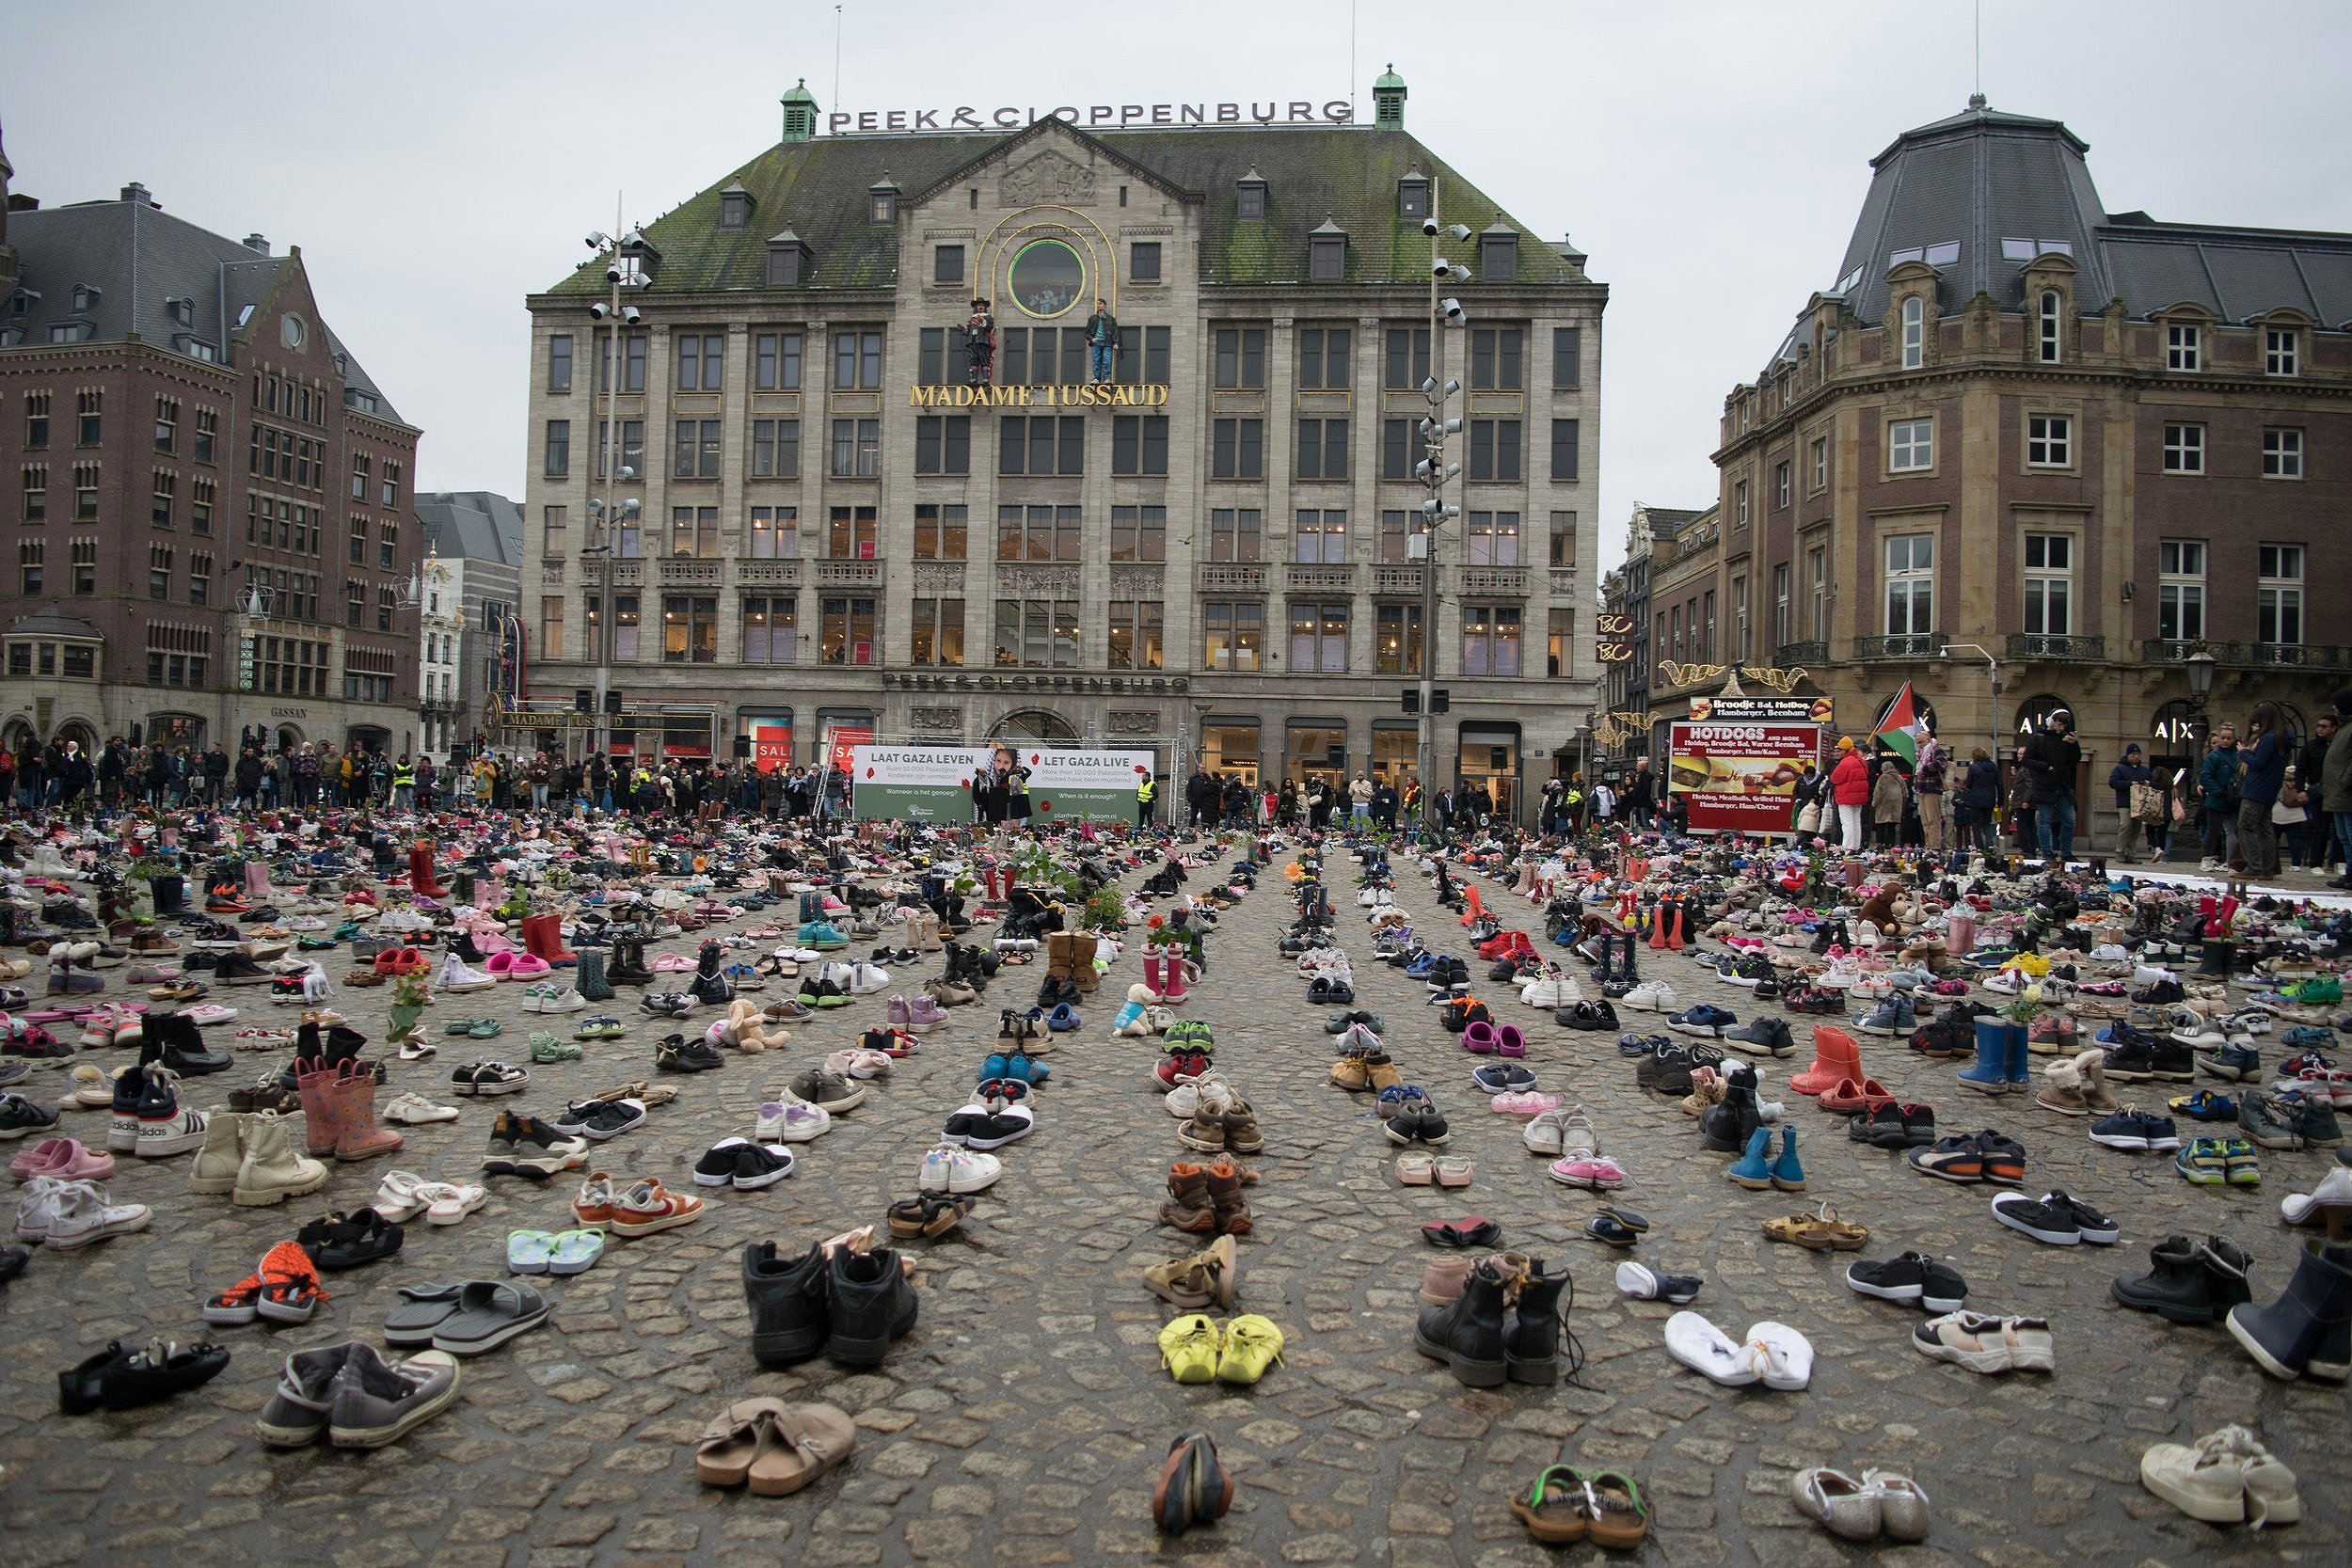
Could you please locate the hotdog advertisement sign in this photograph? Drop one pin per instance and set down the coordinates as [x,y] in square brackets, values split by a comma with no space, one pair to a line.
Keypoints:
[1740,778]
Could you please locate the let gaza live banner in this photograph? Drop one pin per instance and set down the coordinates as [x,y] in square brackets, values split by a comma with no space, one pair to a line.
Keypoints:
[1739,778]
[934,783]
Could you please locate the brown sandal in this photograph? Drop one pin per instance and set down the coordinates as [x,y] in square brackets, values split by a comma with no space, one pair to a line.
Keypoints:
[1820,1231]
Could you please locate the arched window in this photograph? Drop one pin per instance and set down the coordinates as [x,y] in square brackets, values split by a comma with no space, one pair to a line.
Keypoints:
[2052,307]
[1914,333]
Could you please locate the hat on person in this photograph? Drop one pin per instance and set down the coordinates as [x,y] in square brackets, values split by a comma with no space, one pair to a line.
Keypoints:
[2132,749]
[1845,743]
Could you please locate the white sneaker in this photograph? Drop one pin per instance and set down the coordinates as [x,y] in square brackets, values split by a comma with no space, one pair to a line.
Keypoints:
[866,979]
[958,1170]
[802,1123]
[176,1134]
[1650,996]
[84,1215]
[1845,972]
[565,1000]
[37,1208]
[1185,1099]
[1543,1133]
[456,975]
[768,1122]
[414,1109]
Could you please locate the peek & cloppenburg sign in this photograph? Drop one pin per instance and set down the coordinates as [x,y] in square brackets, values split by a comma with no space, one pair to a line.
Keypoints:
[1338,111]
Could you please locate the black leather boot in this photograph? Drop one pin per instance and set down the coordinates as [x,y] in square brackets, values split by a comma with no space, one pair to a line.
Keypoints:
[790,1317]
[1727,1128]
[872,1304]
[1467,1334]
[1531,1345]
[2176,1288]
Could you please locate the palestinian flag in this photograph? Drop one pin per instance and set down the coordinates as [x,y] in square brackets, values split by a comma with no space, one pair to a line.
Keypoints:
[1902,728]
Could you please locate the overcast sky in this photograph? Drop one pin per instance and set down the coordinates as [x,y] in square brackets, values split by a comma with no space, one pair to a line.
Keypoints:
[437,160]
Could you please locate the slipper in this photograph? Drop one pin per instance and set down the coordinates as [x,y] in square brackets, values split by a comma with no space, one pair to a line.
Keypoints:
[798,1443]
[429,1307]
[1700,1345]
[488,1313]
[1471,1231]
[1820,1231]
[724,1454]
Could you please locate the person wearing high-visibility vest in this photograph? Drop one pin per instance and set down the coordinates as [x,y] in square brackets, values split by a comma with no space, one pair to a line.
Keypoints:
[1145,790]
[404,786]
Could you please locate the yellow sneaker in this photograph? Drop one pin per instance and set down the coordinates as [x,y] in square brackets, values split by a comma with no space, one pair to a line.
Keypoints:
[1189,1346]
[1252,1343]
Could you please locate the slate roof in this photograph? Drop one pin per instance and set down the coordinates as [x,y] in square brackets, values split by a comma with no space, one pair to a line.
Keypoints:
[1348,174]
[52,622]
[139,257]
[1984,175]
[478,525]
[1665,522]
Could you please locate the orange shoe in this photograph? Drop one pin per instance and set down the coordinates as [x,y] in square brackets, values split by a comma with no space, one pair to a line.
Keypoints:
[290,1292]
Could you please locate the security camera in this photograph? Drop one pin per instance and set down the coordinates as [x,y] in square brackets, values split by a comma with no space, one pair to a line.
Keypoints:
[631,314]
[1429,226]
[599,310]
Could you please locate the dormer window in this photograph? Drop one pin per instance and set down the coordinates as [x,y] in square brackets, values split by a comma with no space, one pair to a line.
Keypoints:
[85,297]
[1914,333]
[73,332]
[181,310]
[1412,194]
[21,301]
[1249,193]
[734,207]
[881,200]
[2184,346]
[1326,254]
[2051,322]
[787,261]
[1499,256]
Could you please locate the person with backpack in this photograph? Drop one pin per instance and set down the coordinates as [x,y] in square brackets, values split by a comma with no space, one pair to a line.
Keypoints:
[2139,805]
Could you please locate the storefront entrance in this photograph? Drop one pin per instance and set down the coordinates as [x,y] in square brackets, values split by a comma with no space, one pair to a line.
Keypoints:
[1316,749]
[1489,755]
[1395,750]
[1230,747]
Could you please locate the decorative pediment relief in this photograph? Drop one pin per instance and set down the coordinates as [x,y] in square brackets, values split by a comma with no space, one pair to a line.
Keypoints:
[1048,178]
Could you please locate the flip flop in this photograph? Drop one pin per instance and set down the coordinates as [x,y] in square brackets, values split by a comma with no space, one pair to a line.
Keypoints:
[428,1307]
[528,1251]
[488,1313]
[485,1028]
[1552,1507]
[576,1251]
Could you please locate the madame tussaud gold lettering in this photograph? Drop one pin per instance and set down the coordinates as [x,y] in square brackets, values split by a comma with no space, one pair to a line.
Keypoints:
[1089,394]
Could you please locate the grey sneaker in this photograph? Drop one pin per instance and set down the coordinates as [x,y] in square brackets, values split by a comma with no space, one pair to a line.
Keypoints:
[829,1090]
[296,1413]
[377,1401]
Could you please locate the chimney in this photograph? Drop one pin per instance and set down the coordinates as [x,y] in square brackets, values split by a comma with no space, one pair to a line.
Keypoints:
[257,244]
[137,192]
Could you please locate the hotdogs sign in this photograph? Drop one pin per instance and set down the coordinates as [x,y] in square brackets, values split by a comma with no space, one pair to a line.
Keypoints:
[1095,117]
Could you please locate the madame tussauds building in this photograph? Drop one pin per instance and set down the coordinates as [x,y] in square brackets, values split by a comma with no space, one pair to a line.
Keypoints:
[1069,432]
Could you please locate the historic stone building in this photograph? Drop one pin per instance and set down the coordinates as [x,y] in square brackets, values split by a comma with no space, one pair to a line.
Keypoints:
[2023,437]
[207,498]
[473,542]
[1210,554]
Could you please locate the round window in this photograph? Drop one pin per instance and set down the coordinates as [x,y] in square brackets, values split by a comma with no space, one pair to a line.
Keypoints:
[1047,278]
[289,331]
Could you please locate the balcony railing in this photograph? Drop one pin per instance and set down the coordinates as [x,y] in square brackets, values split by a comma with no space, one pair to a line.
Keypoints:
[849,574]
[1923,644]
[1788,654]
[1508,582]
[688,571]
[2032,647]
[2250,656]
[1232,579]
[1394,579]
[1322,578]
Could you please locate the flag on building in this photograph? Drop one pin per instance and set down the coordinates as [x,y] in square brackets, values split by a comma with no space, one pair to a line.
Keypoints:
[1902,728]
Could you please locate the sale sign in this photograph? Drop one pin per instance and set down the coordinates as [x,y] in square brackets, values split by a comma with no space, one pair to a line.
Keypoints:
[1740,778]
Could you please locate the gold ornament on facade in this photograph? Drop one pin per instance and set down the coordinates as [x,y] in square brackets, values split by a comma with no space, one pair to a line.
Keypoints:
[1689,674]
[1782,681]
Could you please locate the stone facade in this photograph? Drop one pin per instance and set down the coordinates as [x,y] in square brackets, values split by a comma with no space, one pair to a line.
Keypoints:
[840,615]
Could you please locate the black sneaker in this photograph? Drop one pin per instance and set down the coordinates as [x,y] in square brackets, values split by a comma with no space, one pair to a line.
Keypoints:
[2171,1060]
[977,1127]
[677,1053]
[525,1145]
[2161,990]
[599,1119]
[1913,1278]
[1881,1126]
[21,1118]
[1762,1037]
[339,1241]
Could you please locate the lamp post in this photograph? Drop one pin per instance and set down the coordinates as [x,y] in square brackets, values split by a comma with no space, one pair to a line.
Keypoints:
[1993,712]
[619,269]
[1433,471]
[2201,667]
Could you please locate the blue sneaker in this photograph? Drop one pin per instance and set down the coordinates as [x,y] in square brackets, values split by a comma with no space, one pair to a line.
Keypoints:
[2234,1061]
[1705,1021]
[2205,1105]
[822,935]
[2121,1033]
[1421,966]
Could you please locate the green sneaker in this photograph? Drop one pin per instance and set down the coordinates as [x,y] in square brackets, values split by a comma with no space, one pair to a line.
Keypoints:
[547,1048]
[2203,1162]
[2317,991]
[2244,1171]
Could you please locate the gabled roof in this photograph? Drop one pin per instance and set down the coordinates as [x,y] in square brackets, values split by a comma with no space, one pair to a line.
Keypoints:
[1347,173]
[138,258]
[478,525]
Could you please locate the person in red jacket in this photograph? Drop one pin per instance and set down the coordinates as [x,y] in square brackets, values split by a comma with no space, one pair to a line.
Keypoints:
[1850,787]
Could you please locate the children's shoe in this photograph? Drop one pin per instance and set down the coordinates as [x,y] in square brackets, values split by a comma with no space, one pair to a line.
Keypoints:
[2203,1162]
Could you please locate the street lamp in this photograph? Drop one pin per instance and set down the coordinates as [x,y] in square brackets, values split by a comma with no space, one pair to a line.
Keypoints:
[1992,711]
[621,269]
[2201,667]
[1433,471]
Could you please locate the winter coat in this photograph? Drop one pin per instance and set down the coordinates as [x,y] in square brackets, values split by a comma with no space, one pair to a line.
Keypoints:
[1850,780]
[2051,760]
[1887,796]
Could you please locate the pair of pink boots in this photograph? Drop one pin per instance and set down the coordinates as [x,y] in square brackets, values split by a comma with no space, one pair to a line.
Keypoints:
[339,1112]
[1169,975]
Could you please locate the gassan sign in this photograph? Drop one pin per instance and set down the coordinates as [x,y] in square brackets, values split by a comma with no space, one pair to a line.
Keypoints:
[1095,116]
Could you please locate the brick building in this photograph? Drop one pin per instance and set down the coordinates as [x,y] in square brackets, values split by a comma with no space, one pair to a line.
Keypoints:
[1208,557]
[206,499]
[2021,431]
